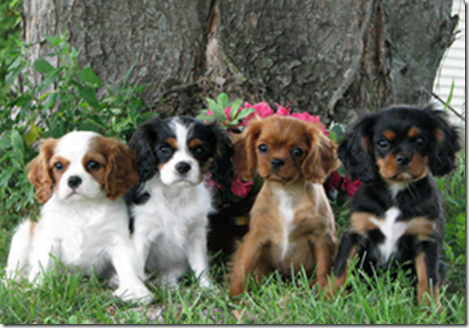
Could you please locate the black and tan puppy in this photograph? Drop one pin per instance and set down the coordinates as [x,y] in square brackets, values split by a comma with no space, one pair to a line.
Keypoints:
[396,215]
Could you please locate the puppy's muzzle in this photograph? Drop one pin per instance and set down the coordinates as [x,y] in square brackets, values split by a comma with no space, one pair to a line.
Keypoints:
[276,163]
[74,182]
[403,159]
[183,167]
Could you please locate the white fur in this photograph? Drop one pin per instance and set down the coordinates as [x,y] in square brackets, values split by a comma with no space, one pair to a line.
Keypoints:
[171,227]
[392,231]
[168,173]
[85,231]
[286,202]
[396,188]
[170,230]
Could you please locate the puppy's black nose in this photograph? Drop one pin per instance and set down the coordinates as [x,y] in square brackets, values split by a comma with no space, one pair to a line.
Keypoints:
[74,181]
[183,167]
[403,160]
[276,163]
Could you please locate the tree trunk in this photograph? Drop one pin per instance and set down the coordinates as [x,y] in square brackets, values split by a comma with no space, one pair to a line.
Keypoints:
[332,58]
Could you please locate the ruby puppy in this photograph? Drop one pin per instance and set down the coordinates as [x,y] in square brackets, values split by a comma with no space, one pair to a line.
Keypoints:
[291,221]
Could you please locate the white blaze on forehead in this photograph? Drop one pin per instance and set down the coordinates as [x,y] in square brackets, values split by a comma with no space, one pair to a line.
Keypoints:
[181,135]
[391,230]
[75,145]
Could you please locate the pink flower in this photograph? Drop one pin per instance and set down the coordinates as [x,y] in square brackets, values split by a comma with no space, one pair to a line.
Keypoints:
[209,112]
[240,188]
[283,111]
[334,180]
[307,117]
[350,187]
[262,109]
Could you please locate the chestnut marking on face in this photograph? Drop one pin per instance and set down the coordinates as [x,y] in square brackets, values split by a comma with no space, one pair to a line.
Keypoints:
[389,134]
[194,143]
[58,165]
[413,132]
[172,142]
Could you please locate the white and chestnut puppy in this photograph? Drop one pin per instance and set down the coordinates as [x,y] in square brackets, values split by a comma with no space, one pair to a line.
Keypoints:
[81,179]
[170,203]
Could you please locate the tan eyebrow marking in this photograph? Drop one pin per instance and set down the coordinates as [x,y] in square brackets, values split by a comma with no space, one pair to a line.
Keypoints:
[389,134]
[413,132]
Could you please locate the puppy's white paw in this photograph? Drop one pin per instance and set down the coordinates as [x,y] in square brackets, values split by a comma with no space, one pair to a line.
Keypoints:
[205,282]
[135,293]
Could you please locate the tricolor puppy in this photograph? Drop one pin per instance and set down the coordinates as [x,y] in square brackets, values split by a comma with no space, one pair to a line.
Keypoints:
[81,179]
[170,202]
[396,215]
[292,224]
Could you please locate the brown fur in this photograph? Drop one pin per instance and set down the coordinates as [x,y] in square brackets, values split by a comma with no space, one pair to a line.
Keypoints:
[314,240]
[120,171]
[389,134]
[413,132]
[40,173]
[390,169]
[117,173]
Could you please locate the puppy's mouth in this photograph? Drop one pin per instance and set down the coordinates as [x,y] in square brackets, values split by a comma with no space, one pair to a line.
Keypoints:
[407,176]
[276,177]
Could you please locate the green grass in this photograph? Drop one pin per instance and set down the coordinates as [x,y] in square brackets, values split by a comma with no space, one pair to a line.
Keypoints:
[70,299]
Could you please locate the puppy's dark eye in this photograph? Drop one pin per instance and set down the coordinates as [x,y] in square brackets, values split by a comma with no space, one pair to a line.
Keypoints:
[58,166]
[297,152]
[263,148]
[199,151]
[166,150]
[421,141]
[383,144]
[92,165]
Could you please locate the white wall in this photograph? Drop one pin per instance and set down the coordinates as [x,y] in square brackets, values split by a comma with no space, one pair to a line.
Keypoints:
[453,65]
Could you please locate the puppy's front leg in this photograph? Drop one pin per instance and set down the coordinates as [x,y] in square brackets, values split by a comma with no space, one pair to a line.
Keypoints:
[247,255]
[426,265]
[348,248]
[42,254]
[129,269]
[323,249]
[197,255]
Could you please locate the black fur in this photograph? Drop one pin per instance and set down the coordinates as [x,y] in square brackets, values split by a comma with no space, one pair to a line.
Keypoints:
[420,198]
[147,139]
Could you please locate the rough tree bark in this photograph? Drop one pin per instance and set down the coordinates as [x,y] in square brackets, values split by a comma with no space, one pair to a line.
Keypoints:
[335,58]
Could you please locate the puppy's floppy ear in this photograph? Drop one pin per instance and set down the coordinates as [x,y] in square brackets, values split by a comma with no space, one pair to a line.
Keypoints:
[222,165]
[121,169]
[448,142]
[321,159]
[245,159]
[356,151]
[142,143]
[40,173]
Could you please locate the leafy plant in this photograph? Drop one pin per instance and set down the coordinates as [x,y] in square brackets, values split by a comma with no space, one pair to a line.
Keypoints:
[66,99]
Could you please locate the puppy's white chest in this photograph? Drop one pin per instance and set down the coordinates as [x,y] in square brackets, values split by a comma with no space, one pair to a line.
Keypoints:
[286,208]
[391,230]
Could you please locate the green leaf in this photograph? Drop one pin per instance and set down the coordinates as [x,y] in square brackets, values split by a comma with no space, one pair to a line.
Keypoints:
[4,142]
[54,40]
[140,89]
[216,110]
[32,135]
[87,75]
[223,100]
[17,141]
[245,112]
[89,96]
[11,76]
[50,78]
[234,108]
[43,66]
